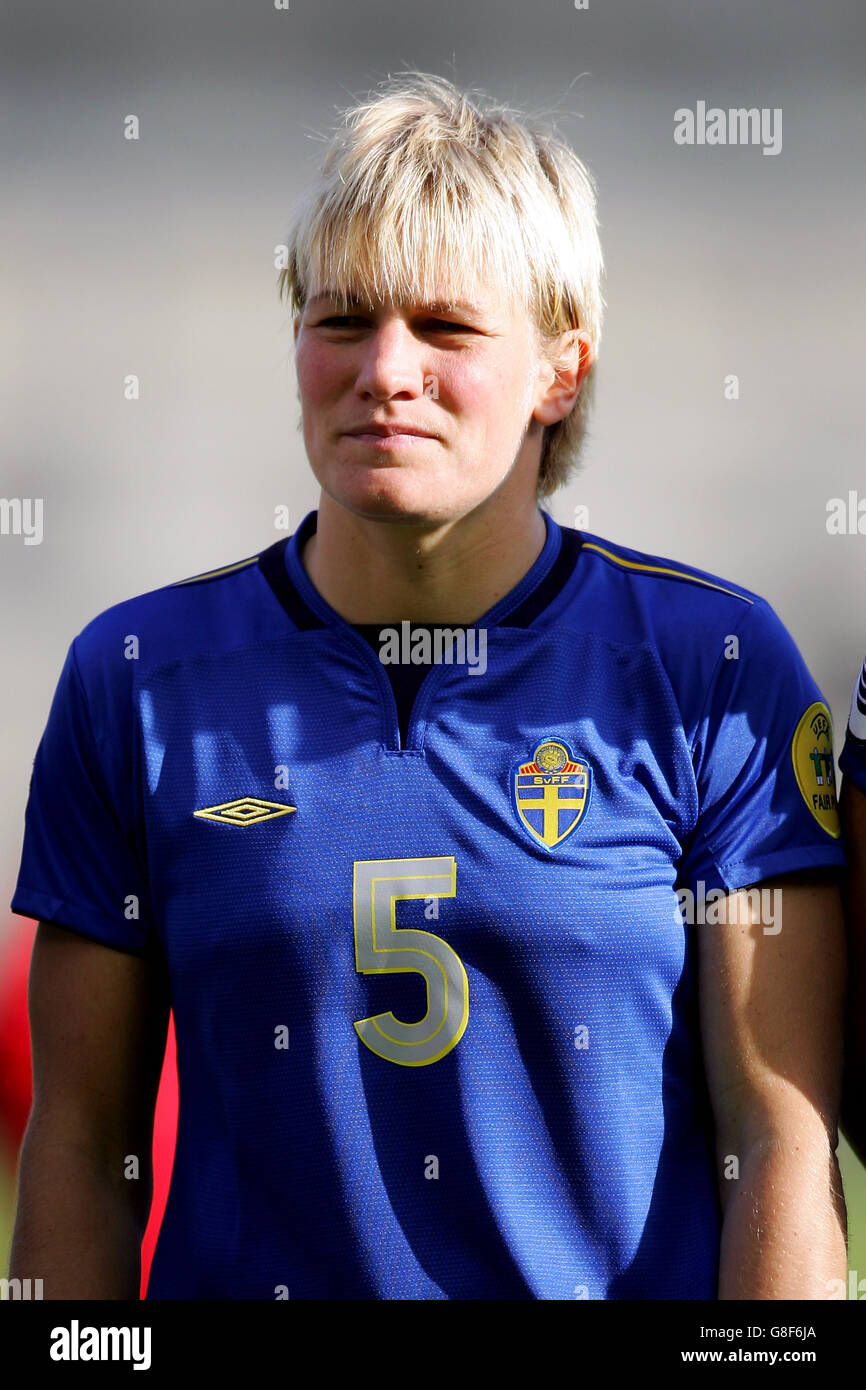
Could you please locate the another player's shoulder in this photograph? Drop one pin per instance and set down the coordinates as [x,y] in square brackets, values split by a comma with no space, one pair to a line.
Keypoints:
[853,758]
[857,715]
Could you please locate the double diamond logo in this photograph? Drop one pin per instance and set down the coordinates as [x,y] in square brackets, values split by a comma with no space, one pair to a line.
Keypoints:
[246,810]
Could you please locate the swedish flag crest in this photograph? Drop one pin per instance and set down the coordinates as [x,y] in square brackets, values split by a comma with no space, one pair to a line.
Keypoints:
[551,792]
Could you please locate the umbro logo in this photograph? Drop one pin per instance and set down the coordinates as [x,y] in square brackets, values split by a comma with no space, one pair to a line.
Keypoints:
[246,810]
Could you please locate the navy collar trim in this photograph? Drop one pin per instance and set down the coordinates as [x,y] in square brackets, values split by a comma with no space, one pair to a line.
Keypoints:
[282,568]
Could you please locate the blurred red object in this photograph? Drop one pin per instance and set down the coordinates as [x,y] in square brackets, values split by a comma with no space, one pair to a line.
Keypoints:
[16,1077]
[164,1137]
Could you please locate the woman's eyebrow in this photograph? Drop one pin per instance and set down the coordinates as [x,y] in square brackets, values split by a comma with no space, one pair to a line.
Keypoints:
[436,306]
[460,306]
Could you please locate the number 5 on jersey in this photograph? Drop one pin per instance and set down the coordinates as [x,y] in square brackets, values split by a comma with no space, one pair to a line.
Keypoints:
[381,948]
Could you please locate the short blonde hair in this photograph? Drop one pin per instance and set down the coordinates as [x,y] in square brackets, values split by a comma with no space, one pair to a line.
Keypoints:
[423,187]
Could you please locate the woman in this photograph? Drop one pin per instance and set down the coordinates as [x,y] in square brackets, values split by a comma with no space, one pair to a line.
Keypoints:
[449,1021]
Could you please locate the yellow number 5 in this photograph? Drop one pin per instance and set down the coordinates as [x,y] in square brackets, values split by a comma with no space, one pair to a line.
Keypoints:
[382,949]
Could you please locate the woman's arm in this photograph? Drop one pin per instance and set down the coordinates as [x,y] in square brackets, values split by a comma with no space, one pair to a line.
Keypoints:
[772,1006]
[98,1020]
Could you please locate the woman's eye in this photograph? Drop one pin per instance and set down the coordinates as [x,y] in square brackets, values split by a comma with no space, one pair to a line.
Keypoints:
[350,320]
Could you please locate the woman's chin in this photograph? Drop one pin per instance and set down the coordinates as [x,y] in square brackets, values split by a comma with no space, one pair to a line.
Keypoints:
[391,492]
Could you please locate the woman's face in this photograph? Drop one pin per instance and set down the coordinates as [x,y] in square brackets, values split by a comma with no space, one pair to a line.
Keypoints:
[467,376]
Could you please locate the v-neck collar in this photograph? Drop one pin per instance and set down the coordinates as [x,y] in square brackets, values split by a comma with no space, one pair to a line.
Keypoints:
[530,598]
[318,607]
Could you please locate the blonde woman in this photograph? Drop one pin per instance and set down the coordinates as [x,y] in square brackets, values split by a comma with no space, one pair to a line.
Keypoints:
[435,822]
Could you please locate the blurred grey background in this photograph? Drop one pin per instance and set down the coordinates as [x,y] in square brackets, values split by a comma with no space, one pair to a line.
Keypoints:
[156,257]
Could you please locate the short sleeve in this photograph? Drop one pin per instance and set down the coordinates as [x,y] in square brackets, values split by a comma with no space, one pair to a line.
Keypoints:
[79,864]
[853,757]
[763,759]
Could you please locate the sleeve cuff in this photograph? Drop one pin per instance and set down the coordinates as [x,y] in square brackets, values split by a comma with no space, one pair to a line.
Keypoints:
[86,921]
[741,873]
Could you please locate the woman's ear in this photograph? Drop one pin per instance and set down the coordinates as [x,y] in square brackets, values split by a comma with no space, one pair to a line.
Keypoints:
[569,362]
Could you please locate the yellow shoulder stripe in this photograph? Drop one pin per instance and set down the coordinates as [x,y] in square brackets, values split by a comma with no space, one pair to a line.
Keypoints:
[213,574]
[662,569]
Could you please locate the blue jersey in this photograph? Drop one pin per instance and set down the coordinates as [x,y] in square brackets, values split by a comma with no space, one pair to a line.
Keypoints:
[435,998]
[853,757]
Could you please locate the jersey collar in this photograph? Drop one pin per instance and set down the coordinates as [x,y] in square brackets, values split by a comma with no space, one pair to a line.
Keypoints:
[282,567]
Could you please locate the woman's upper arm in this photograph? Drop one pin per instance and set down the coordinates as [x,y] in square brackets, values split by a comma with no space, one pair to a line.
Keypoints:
[98,1021]
[772,1004]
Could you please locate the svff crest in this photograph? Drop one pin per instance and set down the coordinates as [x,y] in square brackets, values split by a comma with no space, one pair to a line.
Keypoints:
[551,793]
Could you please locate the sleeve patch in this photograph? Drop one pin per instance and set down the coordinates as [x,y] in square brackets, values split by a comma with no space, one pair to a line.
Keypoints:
[812,755]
